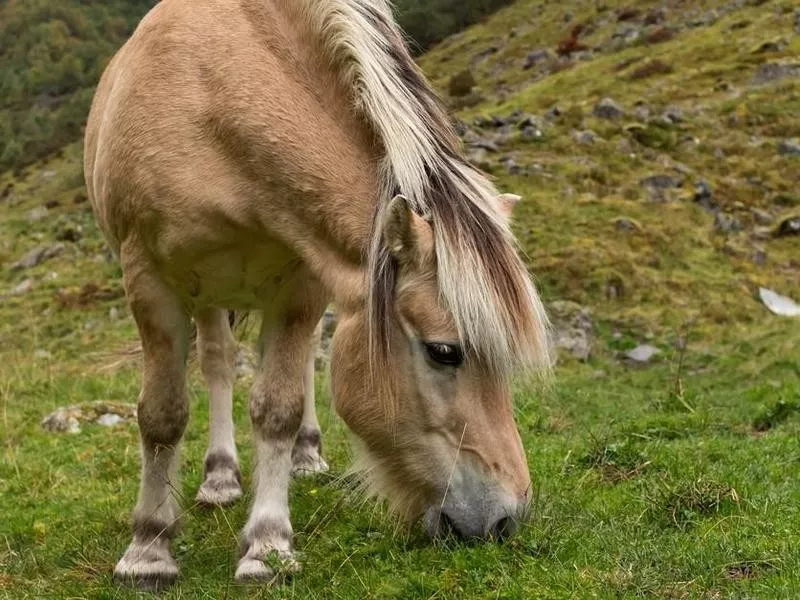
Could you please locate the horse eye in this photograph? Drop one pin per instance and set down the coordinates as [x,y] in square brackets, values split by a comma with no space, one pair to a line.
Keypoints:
[445,354]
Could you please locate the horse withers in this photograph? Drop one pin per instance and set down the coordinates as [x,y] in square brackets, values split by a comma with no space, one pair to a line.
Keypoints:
[274,156]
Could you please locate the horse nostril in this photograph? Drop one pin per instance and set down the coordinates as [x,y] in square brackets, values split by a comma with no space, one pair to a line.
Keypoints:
[504,528]
[446,526]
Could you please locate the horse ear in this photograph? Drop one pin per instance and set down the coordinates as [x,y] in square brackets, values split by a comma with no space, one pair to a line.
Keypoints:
[507,203]
[408,236]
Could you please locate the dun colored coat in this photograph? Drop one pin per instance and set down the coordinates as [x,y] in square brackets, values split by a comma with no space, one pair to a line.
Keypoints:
[275,156]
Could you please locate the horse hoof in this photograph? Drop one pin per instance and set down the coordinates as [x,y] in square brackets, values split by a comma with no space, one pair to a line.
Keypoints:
[148,567]
[251,570]
[307,453]
[219,491]
[255,570]
[307,463]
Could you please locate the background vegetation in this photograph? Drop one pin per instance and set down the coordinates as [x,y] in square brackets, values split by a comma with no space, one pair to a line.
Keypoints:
[52,54]
[654,144]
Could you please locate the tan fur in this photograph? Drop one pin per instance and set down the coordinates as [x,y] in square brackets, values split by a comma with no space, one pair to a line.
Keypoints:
[233,163]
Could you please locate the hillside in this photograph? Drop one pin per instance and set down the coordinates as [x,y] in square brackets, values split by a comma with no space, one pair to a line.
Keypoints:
[656,145]
[669,202]
[52,55]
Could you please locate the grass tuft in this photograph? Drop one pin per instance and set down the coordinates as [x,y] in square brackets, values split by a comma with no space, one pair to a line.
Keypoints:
[683,504]
[774,415]
[615,462]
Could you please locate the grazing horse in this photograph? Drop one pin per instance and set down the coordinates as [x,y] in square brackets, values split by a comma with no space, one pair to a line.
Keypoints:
[275,156]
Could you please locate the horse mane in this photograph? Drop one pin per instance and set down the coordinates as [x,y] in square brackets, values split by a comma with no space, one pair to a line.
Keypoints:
[482,280]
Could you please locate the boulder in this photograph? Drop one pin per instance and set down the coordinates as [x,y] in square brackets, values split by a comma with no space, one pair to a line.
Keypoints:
[573,328]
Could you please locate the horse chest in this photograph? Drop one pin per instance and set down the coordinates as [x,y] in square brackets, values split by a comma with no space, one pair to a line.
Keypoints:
[239,277]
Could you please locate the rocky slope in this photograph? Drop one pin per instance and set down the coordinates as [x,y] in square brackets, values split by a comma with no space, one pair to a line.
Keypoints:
[655,144]
[656,149]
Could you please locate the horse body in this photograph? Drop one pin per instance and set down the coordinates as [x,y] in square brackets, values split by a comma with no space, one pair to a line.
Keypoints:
[194,160]
[275,155]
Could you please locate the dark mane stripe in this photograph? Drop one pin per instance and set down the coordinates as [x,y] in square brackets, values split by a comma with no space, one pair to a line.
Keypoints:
[483,281]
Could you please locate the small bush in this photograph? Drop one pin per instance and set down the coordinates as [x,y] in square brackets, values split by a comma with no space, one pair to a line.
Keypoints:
[461,84]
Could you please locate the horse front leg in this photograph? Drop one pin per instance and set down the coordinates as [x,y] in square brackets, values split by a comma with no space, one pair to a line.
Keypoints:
[276,412]
[163,411]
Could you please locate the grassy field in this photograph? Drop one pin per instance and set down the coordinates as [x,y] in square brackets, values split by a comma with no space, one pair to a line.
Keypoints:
[679,478]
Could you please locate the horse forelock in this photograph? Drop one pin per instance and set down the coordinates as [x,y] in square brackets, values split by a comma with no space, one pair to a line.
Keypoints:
[482,280]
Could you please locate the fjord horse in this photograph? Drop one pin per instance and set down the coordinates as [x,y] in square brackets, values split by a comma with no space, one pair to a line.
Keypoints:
[275,156]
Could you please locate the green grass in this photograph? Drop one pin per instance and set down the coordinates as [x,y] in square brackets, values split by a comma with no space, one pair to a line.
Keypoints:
[631,498]
[674,480]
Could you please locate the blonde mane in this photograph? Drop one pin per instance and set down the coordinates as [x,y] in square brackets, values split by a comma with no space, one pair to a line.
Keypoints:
[482,280]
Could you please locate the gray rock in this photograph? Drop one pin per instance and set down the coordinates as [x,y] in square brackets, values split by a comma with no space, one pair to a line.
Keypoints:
[478,157]
[42,354]
[510,165]
[470,136]
[673,114]
[61,423]
[553,113]
[789,226]
[789,147]
[762,217]
[109,420]
[642,354]
[704,20]
[726,223]
[67,419]
[527,120]
[113,313]
[37,214]
[536,57]
[31,259]
[532,133]
[625,34]
[608,109]
[797,20]
[641,112]
[586,137]
[772,72]
[624,146]
[704,196]
[573,327]
[38,256]
[627,225]
[661,182]
[23,287]
[485,144]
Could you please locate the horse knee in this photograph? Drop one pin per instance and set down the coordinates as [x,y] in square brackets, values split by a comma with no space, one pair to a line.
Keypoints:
[162,417]
[276,416]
